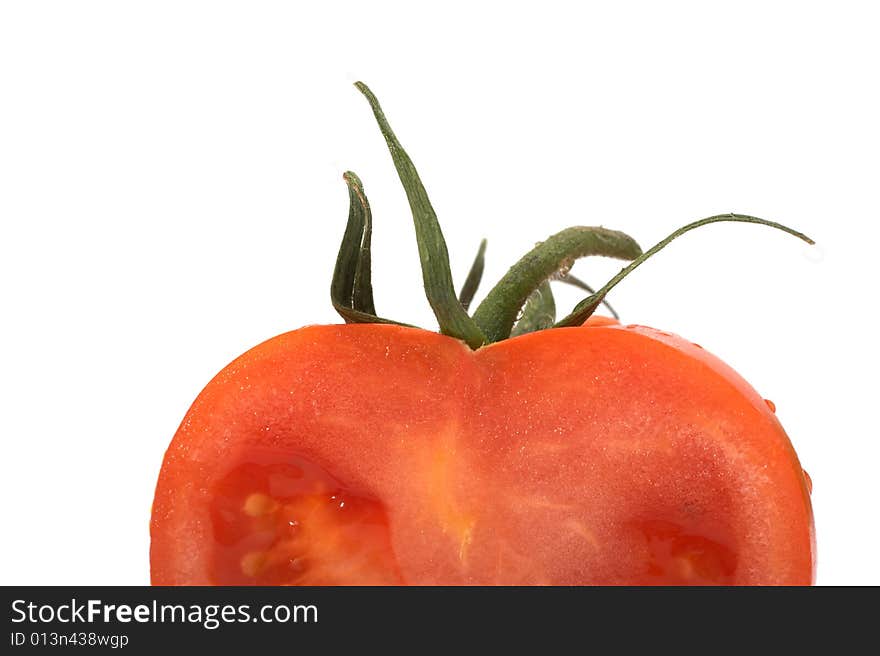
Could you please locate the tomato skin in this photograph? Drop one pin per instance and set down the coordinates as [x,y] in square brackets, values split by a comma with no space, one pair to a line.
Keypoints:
[595,455]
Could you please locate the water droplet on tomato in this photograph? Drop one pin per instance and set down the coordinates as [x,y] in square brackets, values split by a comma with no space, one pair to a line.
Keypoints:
[770,405]
[808,481]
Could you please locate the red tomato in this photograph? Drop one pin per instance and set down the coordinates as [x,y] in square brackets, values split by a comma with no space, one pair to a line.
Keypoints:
[525,450]
[380,454]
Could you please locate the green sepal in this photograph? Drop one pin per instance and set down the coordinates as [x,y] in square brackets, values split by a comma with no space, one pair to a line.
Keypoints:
[474,276]
[497,313]
[452,318]
[351,290]
[569,279]
[585,308]
[538,313]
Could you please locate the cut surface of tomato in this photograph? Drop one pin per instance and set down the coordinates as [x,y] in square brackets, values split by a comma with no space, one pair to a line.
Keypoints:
[376,454]
[279,520]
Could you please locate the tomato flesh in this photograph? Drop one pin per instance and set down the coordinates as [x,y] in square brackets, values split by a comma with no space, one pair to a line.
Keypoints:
[681,558]
[376,454]
[278,519]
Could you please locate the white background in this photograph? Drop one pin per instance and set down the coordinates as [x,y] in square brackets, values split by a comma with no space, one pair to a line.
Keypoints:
[171,194]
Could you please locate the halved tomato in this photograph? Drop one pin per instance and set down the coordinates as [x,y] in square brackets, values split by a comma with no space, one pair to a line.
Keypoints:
[375,454]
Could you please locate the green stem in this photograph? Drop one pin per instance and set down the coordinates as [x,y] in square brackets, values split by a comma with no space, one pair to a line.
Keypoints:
[585,308]
[497,313]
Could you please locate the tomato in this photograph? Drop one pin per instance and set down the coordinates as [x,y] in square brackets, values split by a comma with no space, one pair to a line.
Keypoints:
[511,448]
[382,454]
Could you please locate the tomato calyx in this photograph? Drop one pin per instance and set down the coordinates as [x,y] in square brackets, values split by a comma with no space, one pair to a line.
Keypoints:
[522,300]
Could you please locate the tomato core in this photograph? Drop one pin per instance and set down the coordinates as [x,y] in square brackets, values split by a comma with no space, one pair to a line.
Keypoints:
[291,523]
